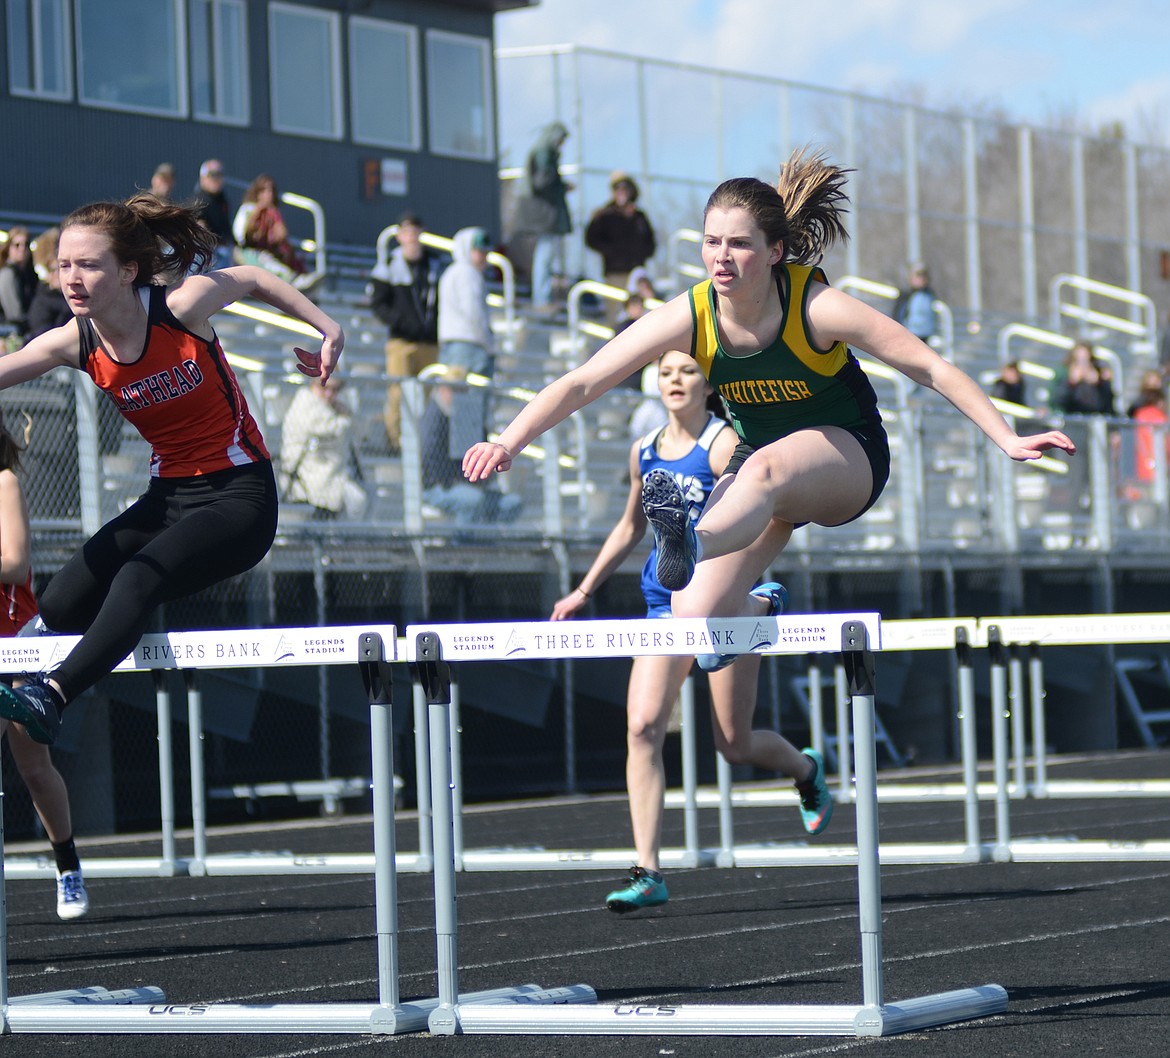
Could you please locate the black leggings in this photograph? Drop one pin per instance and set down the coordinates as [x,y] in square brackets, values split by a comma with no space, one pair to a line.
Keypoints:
[181,536]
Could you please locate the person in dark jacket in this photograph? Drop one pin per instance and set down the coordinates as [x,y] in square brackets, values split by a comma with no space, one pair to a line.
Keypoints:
[214,210]
[404,295]
[622,234]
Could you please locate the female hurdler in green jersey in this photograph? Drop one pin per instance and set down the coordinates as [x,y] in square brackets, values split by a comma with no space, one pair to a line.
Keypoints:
[774,340]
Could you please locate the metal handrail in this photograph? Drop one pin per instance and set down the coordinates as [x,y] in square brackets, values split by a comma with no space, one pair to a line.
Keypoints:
[1146,332]
[316,245]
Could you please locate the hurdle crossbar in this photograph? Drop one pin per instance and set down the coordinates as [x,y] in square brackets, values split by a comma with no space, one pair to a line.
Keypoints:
[430,648]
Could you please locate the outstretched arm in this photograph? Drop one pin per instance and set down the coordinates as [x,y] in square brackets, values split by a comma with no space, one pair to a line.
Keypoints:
[60,347]
[835,316]
[197,298]
[667,327]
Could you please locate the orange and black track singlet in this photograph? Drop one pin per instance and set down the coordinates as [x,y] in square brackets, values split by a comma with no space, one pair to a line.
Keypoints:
[181,395]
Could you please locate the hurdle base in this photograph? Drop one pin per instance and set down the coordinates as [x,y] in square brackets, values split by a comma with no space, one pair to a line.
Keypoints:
[246,864]
[539,858]
[781,855]
[23,867]
[649,1019]
[1076,850]
[85,1015]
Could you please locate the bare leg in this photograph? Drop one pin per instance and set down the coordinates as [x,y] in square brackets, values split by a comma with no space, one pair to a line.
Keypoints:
[654,685]
[820,475]
[46,787]
[733,704]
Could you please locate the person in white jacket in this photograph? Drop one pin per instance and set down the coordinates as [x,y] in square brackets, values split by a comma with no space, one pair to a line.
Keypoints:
[465,333]
[317,453]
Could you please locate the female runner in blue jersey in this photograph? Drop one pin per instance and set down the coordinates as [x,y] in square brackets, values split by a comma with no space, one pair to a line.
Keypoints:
[773,338]
[694,447]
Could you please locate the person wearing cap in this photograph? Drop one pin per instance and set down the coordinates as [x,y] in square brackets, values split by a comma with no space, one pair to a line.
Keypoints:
[162,181]
[914,306]
[622,234]
[465,333]
[403,293]
[214,210]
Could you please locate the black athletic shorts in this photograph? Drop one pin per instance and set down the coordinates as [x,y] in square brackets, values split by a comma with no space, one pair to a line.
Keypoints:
[874,443]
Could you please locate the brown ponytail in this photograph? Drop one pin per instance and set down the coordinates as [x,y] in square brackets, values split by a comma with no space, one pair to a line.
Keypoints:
[804,211]
[165,240]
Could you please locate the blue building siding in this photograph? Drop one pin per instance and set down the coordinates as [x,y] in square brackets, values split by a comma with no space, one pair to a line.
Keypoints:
[70,153]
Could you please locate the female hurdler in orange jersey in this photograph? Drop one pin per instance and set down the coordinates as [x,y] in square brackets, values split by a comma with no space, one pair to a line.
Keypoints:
[141,331]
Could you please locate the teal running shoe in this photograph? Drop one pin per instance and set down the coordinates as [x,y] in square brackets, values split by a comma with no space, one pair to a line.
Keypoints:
[643,889]
[36,706]
[666,510]
[777,598]
[816,803]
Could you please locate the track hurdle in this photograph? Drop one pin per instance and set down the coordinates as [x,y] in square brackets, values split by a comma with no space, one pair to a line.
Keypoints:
[372,649]
[690,854]
[1004,637]
[955,634]
[431,647]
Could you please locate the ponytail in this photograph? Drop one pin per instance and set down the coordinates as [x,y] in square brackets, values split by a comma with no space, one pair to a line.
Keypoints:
[804,211]
[815,201]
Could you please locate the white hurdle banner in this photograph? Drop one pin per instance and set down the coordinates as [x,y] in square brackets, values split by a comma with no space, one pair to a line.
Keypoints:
[429,649]
[372,648]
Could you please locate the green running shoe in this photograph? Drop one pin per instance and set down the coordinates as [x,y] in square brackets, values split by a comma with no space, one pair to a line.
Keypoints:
[643,889]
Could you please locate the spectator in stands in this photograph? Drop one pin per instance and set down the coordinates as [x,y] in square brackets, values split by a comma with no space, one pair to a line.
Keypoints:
[543,211]
[50,798]
[641,284]
[262,236]
[1010,384]
[444,489]
[774,339]
[404,294]
[914,305]
[18,278]
[1084,386]
[635,309]
[143,334]
[213,208]
[318,462]
[1149,409]
[622,234]
[162,182]
[48,308]
[465,333]
[694,445]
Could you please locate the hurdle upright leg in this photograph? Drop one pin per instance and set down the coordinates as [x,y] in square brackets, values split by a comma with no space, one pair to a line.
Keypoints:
[166,771]
[1001,851]
[198,864]
[378,683]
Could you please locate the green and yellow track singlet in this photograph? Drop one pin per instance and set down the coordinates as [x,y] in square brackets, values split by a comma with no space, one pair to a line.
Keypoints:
[789,385]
